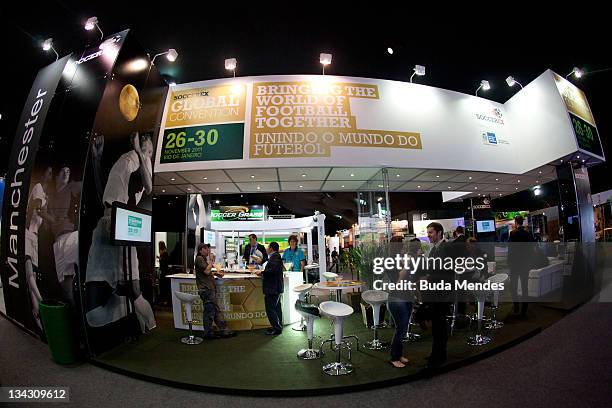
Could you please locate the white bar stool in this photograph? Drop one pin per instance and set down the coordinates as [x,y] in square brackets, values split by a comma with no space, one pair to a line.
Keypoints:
[310,313]
[337,312]
[479,339]
[303,292]
[188,299]
[494,324]
[375,298]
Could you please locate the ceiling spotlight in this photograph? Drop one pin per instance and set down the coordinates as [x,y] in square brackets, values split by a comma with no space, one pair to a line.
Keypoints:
[325,59]
[511,81]
[484,85]
[352,175]
[418,186]
[418,70]
[496,179]
[397,175]
[217,189]
[577,72]
[301,186]
[217,201]
[91,23]
[163,191]
[303,175]
[204,178]
[469,178]
[342,186]
[48,45]
[171,55]
[390,50]
[252,176]
[188,189]
[172,179]
[475,188]
[258,187]
[231,64]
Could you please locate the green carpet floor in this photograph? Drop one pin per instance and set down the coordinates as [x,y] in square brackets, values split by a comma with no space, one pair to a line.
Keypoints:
[252,362]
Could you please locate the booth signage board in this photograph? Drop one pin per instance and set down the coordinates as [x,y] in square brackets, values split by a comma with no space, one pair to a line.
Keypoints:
[312,121]
[238,213]
[583,122]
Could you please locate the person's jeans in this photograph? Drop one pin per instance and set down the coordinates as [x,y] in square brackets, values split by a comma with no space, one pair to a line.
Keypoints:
[211,312]
[274,311]
[400,311]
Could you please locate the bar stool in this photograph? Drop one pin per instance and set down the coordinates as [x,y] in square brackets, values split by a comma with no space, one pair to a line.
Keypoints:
[494,324]
[409,336]
[310,313]
[188,299]
[337,312]
[375,298]
[479,339]
[303,292]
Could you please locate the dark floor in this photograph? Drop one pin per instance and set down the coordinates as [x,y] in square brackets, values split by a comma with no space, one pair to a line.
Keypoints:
[567,365]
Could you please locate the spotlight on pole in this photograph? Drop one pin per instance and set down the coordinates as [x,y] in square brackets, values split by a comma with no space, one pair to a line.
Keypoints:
[390,50]
[511,81]
[576,71]
[484,85]
[325,59]
[171,55]
[418,70]
[91,23]
[231,64]
[48,45]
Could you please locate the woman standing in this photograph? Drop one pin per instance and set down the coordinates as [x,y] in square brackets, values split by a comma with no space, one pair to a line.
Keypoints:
[400,301]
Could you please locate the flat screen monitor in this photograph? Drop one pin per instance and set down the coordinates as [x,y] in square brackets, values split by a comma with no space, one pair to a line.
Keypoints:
[130,226]
[208,237]
[485,226]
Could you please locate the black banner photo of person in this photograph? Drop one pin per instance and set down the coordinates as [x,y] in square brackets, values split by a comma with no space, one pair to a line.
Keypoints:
[21,295]
[120,169]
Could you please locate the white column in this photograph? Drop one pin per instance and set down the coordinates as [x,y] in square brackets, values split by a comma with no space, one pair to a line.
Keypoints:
[309,239]
[321,245]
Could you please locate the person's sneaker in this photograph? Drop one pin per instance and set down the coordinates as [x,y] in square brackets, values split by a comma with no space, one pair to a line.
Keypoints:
[272,332]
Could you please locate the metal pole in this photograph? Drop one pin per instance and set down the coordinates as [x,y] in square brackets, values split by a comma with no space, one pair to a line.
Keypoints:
[385,173]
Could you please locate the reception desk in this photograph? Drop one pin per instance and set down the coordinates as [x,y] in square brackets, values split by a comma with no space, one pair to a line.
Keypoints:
[240,298]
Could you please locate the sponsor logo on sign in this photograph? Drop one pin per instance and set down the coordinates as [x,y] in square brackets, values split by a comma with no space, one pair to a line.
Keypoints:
[489,138]
[104,47]
[134,225]
[495,116]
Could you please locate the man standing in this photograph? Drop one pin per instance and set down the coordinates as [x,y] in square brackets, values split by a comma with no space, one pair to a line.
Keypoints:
[438,301]
[205,279]
[519,261]
[334,259]
[272,285]
[254,253]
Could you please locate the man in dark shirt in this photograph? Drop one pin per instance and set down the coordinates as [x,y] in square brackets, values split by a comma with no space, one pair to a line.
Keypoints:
[439,304]
[205,279]
[520,258]
[272,285]
[254,252]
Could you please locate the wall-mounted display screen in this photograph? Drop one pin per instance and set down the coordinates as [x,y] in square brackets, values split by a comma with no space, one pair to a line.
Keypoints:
[130,225]
[485,226]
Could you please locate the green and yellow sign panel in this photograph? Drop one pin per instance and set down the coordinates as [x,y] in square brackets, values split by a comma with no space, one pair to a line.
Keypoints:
[238,213]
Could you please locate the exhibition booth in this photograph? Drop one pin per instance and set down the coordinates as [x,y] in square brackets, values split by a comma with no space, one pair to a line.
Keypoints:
[79,223]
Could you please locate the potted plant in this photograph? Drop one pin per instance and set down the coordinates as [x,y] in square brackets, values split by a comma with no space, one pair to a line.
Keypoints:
[363,258]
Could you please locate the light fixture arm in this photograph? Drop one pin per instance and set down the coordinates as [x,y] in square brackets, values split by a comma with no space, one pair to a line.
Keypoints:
[101,33]
[158,55]
[56,54]
[412,76]
[478,89]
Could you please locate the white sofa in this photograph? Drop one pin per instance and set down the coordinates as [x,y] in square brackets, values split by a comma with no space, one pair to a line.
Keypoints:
[545,280]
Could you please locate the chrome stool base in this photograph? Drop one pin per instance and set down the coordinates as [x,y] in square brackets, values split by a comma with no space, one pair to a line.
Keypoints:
[309,354]
[338,368]
[494,325]
[191,340]
[411,337]
[478,340]
[376,345]
[301,326]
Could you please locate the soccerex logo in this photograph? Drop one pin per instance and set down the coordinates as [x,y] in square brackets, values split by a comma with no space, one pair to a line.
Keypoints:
[496,116]
[106,44]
